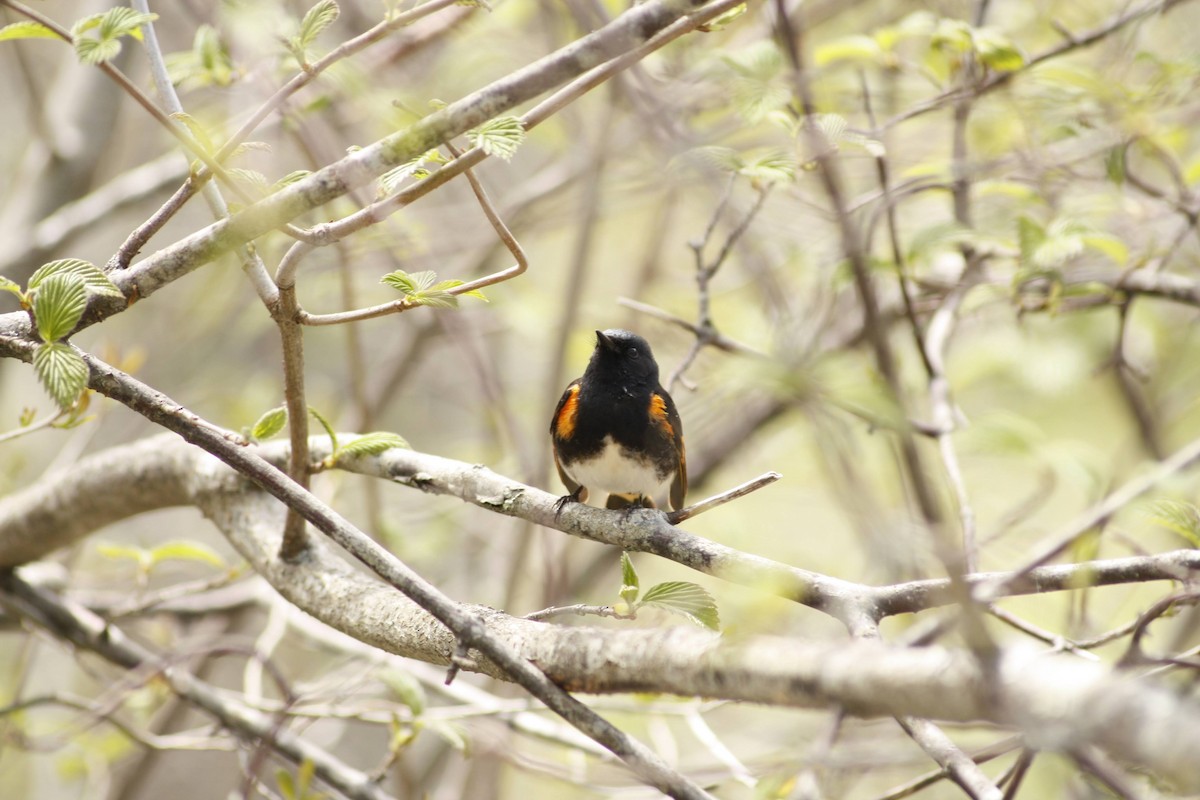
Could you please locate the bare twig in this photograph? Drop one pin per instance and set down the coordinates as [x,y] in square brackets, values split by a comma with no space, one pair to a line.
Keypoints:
[958,766]
[708,504]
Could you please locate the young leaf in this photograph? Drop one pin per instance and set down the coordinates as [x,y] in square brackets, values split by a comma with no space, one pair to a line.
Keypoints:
[409,284]
[93,277]
[199,135]
[451,734]
[774,167]
[290,178]
[689,599]
[26,30]
[58,305]
[269,424]
[390,181]
[318,18]
[856,48]
[1178,517]
[407,690]
[12,286]
[997,51]
[629,579]
[372,444]
[62,371]
[454,283]
[419,288]
[117,552]
[1030,235]
[333,442]
[110,26]
[186,551]
[499,137]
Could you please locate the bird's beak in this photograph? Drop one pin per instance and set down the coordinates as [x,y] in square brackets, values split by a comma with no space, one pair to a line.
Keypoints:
[604,341]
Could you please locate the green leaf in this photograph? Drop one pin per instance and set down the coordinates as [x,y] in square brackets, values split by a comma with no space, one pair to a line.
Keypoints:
[721,21]
[199,135]
[689,599]
[390,181]
[629,579]
[1030,236]
[451,734]
[26,30]
[1107,244]
[407,690]
[186,551]
[316,20]
[454,283]
[93,277]
[121,552]
[122,21]
[856,48]
[499,137]
[725,159]
[110,27]
[776,166]
[11,286]
[58,306]
[372,444]
[257,181]
[333,442]
[290,178]
[997,51]
[62,371]
[270,423]
[1178,517]
[287,786]
[409,284]
[420,288]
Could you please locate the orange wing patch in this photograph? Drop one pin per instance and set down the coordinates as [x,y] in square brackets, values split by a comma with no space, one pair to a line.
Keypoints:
[658,412]
[568,411]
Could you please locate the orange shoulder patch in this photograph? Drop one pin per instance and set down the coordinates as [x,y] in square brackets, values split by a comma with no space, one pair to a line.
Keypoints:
[658,413]
[568,411]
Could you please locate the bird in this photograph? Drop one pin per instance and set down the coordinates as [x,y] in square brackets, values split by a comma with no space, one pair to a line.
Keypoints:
[616,429]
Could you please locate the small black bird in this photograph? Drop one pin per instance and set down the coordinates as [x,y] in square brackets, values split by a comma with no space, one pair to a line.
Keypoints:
[616,429]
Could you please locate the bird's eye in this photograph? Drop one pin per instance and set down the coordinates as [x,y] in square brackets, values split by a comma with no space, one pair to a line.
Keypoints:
[632,352]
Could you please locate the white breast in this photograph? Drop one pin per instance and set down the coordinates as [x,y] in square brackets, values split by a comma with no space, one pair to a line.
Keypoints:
[610,472]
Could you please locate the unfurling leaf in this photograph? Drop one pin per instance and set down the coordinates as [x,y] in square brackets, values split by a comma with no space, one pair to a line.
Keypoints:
[186,551]
[26,30]
[62,371]
[372,444]
[316,20]
[629,580]
[93,278]
[269,423]
[689,599]
[1178,517]
[407,690]
[109,26]
[58,305]
[423,288]
[333,442]
[499,137]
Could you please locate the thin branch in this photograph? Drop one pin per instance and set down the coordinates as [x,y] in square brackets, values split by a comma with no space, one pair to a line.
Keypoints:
[1096,516]
[86,630]
[708,504]
[958,766]
[469,629]
[999,79]
[579,610]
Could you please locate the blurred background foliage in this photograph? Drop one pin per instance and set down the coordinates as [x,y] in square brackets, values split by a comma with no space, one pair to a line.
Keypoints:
[1082,168]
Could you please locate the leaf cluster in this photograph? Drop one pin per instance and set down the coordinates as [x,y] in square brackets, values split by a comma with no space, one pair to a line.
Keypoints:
[689,600]
[57,295]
